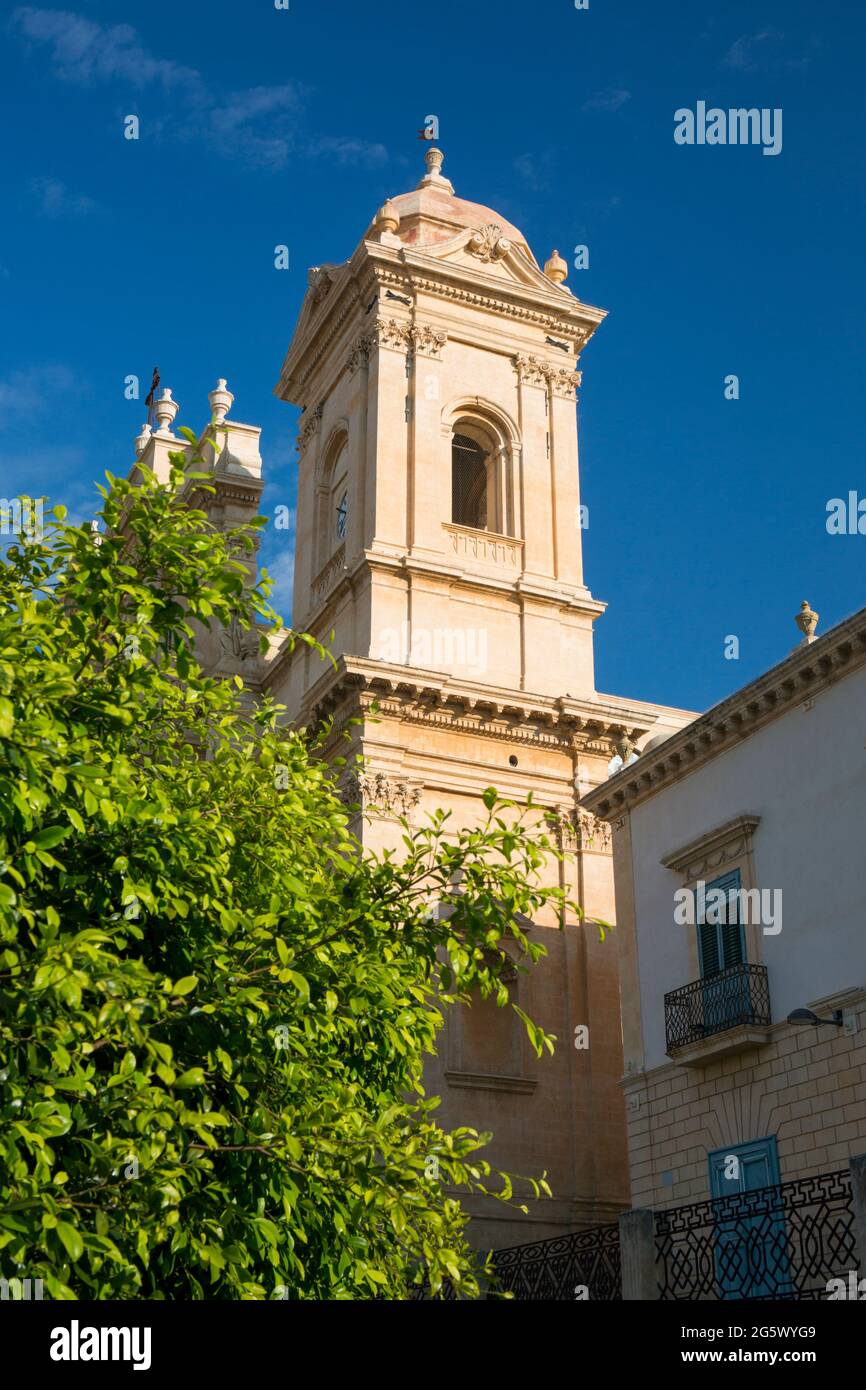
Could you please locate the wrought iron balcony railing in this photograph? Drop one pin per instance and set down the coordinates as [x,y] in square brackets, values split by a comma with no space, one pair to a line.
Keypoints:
[782,1242]
[730,998]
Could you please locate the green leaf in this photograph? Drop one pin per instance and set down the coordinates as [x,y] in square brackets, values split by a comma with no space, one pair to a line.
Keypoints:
[71,1240]
[51,836]
[193,1077]
[186,985]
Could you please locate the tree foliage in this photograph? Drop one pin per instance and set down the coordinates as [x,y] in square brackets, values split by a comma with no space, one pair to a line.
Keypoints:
[214,1008]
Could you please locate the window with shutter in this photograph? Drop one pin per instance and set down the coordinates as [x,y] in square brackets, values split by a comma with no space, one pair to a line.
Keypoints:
[721,944]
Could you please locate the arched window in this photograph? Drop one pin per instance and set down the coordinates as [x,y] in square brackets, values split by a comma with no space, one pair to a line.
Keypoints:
[332,501]
[469,481]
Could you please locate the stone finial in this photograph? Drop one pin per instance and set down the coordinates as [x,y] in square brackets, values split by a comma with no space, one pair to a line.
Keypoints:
[142,440]
[220,401]
[165,411]
[807,621]
[433,179]
[556,268]
[387,219]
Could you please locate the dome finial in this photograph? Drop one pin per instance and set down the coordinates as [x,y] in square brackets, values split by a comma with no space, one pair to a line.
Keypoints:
[556,269]
[433,179]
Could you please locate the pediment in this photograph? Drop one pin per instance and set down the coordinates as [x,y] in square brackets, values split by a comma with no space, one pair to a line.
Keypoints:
[323,281]
[487,251]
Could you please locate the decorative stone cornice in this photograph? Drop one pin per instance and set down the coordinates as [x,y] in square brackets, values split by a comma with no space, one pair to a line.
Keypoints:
[434,700]
[702,858]
[797,680]
[566,325]
[376,791]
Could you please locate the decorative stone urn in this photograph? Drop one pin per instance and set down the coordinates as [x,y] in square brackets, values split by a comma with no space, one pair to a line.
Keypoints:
[165,411]
[220,401]
[807,621]
[142,440]
[387,218]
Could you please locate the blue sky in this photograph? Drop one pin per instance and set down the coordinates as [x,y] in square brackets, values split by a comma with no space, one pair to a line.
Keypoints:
[259,126]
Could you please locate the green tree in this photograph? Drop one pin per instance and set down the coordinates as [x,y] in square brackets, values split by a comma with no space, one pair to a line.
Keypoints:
[214,1008]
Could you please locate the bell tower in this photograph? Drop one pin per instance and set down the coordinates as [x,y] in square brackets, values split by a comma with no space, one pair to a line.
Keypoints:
[439,500]
[439,530]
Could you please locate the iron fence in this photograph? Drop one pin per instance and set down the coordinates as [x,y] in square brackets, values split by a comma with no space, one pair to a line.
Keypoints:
[562,1267]
[783,1242]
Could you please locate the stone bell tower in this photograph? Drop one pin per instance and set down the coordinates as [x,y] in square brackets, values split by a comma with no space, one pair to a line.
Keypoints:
[439,531]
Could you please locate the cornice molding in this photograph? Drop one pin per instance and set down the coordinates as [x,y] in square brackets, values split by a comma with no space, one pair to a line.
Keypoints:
[436,700]
[809,670]
[715,848]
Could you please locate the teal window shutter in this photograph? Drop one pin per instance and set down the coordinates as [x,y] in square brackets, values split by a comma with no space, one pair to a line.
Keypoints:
[721,944]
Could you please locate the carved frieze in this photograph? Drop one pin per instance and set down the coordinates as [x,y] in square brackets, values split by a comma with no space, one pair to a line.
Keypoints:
[479,545]
[376,791]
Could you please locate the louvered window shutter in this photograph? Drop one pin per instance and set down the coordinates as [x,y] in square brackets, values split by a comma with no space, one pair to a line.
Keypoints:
[720,944]
[708,948]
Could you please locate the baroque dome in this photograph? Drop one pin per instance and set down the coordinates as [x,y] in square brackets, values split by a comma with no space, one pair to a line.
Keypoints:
[432,213]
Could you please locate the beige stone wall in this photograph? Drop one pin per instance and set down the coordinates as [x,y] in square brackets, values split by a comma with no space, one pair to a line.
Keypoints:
[562,1115]
[807,1087]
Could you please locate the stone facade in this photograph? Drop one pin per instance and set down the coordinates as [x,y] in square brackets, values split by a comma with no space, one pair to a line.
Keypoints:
[809,1092]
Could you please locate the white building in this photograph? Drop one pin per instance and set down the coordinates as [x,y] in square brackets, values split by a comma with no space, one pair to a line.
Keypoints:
[766,791]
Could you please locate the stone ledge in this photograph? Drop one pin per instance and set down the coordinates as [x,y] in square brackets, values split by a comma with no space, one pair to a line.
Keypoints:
[745,1038]
[482,1081]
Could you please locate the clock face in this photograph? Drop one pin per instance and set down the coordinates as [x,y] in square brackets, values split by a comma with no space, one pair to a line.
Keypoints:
[342,515]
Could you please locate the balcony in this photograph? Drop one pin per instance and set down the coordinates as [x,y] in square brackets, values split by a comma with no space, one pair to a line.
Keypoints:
[718,1016]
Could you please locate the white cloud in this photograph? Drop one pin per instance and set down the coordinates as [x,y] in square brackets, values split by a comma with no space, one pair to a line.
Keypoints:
[33,389]
[765,51]
[83,51]
[348,150]
[611,99]
[535,170]
[262,126]
[54,199]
